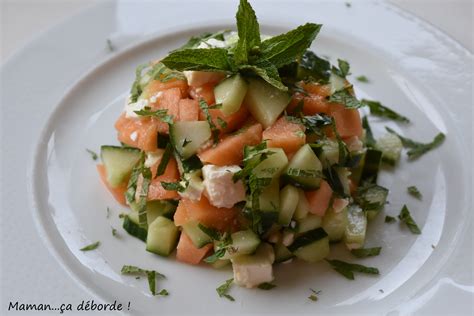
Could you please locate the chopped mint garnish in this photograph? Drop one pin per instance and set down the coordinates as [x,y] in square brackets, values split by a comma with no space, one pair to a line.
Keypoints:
[223,289]
[266,286]
[91,246]
[94,155]
[150,274]
[413,190]
[369,137]
[160,114]
[348,269]
[164,160]
[417,149]
[363,79]
[366,252]
[143,194]
[110,46]
[114,231]
[314,296]
[215,131]
[390,219]
[345,98]
[378,109]
[408,220]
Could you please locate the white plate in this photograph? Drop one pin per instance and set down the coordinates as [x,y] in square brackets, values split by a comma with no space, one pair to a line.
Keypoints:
[414,68]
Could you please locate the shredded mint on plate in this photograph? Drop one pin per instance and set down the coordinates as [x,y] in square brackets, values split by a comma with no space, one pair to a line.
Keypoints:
[417,149]
[314,296]
[91,246]
[408,220]
[390,219]
[366,252]
[363,79]
[378,109]
[94,155]
[150,274]
[223,289]
[347,269]
[413,190]
[266,286]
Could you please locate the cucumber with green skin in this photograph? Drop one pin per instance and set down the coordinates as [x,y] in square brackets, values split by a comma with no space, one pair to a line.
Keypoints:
[311,246]
[131,226]
[154,209]
[289,197]
[308,223]
[231,93]
[265,102]
[335,223]
[118,162]
[304,169]
[244,242]
[391,147]
[197,236]
[354,236]
[282,253]
[162,236]
[302,209]
[188,136]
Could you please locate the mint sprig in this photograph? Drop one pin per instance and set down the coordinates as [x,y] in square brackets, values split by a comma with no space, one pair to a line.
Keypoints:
[250,56]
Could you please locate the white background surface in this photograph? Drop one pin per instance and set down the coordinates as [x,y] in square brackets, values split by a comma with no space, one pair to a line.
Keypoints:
[21,20]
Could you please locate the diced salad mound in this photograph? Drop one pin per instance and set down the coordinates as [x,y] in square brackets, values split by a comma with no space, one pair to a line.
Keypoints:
[246,150]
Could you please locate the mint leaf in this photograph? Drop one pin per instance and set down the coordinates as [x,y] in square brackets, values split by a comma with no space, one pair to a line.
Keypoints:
[347,269]
[344,68]
[160,114]
[314,68]
[215,131]
[94,155]
[173,186]
[223,289]
[413,190]
[164,160]
[194,41]
[266,286]
[249,33]
[142,218]
[366,252]
[132,182]
[204,59]
[408,220]
[91,246]
[345,98]
[136,87]
[390,219]
[378,109]
[418,149]
[285,48]
[267,71]
[363,79]
[369,136]
[151,277]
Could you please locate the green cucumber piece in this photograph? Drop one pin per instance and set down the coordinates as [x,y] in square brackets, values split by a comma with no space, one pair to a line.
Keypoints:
[282,253]
[354,236]
[289,197]
[131,226]
[304,169]
[272,166]
[244,242]
[269,199]
[337,83]
[197,236]
[302,209]
[231,93]
[162,236]
[118,163]
[308,223]
[371,198]
[154,209]
[335,223]
[391,147]
[311,246]
[189,136]
[265,102]
[371,166]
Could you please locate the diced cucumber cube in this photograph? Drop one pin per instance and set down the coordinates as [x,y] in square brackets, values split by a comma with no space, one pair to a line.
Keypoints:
[391,147]
[289,197]
[189,136]
[308,223]
[269,198]
[197,236]
[335,223]
[118,163]
[244,242]
[272,166]
[231,93]
[265,102]
[311,246]
[131,226]
[304,169]
[302,209]
[354,237]
[282,253]
[154,209]
[162,236]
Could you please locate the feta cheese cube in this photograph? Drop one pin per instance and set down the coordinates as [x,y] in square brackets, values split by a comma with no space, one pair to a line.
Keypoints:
[199,78]
[219,187]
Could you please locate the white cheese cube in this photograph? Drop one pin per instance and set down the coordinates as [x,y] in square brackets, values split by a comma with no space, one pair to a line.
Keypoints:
[219,187]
